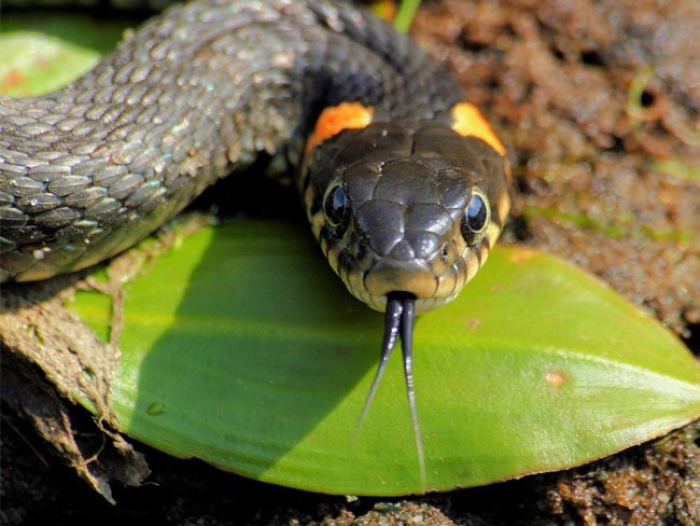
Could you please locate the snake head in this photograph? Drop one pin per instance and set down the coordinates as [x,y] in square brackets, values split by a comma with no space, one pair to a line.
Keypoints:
[401,208]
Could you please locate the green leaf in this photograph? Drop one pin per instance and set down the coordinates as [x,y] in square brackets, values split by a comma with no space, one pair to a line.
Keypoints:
[35,63]
[240,347]
[42,51]
[405,15]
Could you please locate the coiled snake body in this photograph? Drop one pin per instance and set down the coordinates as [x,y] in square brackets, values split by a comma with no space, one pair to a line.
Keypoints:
[404,182]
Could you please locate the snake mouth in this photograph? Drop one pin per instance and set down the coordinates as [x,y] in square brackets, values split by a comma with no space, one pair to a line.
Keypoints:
[389,279]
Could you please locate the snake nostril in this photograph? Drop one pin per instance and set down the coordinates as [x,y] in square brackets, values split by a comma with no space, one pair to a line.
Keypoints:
[445,252]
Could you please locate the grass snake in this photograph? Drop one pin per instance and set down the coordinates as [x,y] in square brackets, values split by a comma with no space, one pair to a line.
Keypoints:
[404,183]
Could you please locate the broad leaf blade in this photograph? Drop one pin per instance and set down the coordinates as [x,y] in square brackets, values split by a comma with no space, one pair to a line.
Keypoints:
[241,348]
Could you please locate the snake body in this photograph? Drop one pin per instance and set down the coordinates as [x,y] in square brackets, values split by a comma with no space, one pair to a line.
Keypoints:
[405,202]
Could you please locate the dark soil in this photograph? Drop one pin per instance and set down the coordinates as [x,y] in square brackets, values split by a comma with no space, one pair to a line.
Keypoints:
[599,102]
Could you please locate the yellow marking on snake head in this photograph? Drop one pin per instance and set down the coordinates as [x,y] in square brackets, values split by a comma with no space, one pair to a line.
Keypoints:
[469,122]
[334,119]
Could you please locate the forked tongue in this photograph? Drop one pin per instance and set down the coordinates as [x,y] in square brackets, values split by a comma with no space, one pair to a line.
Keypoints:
[398,323]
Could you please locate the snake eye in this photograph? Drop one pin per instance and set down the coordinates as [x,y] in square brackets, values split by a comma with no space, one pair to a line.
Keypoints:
[475,220]
[336,208]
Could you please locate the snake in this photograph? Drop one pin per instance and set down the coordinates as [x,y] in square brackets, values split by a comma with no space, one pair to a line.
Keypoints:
[404,182]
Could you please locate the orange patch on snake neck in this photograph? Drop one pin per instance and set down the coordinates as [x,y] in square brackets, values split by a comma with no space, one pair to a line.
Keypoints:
[469,122]
[334,119]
